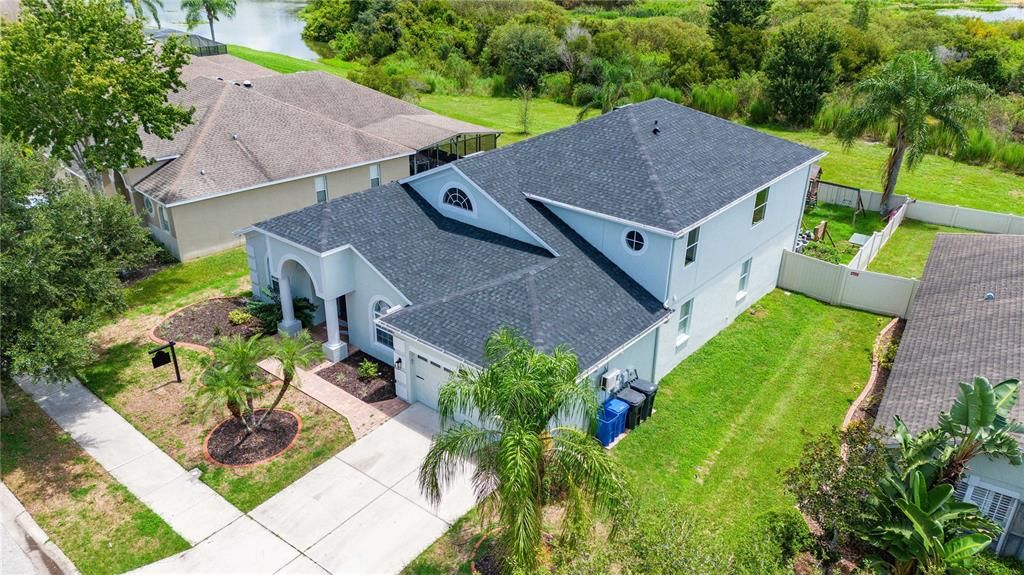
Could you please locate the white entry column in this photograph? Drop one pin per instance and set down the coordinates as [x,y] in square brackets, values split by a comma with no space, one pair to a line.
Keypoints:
[288,325]
[334,349]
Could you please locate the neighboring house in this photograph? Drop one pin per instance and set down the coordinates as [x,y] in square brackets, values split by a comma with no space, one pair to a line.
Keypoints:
[631,238]
[263,144]
[954,333]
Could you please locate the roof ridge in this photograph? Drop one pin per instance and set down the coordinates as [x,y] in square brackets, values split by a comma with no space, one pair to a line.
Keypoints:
[193,144]
[652,174]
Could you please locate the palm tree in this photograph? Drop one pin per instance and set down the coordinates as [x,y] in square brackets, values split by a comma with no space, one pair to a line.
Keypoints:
[240,356]
[142,7]
[211,9]
[525,453]
[293,353]
[912,91]
[612,93]
[219,389]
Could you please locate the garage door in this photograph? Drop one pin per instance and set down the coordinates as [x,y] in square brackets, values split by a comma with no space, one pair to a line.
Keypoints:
[429,377]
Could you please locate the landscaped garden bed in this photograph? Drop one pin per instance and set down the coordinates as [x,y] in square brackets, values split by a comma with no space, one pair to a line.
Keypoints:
[98,523]
[369,388]
[230,443]
[204,322]
[168,414]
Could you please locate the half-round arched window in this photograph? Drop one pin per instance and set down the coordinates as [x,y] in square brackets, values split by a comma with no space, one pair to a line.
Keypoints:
[457,198]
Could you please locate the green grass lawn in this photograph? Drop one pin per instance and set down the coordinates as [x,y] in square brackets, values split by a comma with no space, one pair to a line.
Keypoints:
[841,225]
[935,179]
[907,250]
[182,283]
[94,519]
[734,415]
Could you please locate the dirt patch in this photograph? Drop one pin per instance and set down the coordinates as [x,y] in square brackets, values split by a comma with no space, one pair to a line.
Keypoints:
[227,444]
[345,374]
[487,560]
[204,322]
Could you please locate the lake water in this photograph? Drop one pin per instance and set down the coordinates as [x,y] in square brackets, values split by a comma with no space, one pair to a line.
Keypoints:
[1011,13]
[271,25]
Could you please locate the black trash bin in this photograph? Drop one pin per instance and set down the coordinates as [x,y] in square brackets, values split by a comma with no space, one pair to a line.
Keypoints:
[649,390]
[636,400]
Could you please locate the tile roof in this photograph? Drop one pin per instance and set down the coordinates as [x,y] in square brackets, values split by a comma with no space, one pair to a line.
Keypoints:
[953,334]
[284,126]
[616,165]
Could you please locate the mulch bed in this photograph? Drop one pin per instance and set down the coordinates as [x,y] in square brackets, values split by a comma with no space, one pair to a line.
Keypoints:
[277,435]
[868,410]
[345,374]
[204,322]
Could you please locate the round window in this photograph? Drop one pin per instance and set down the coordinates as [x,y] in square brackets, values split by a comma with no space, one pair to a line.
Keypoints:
[635,240]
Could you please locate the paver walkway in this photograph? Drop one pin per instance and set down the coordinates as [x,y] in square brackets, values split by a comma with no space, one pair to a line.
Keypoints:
[362,417]
[189,506]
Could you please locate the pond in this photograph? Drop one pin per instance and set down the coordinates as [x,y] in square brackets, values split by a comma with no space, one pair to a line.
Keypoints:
[1010,13]
[270,25]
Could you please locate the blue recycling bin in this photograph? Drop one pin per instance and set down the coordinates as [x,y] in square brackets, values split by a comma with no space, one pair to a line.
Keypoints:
[618,409]
[606,425]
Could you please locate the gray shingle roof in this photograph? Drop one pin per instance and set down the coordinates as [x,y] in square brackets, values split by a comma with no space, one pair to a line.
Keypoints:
[953,334]
[465,282]
[615,165]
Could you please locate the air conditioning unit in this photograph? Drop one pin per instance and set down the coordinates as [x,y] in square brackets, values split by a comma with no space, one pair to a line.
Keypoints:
[611,381]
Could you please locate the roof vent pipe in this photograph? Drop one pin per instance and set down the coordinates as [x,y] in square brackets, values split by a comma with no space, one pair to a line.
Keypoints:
[247,83]
[990,296]
[656,129]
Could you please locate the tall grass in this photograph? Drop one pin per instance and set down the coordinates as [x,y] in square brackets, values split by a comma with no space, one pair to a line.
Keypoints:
[714,100]
[980,148]
[1011,157]
[827,120]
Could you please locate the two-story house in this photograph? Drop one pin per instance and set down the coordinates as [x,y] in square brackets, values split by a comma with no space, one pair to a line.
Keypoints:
[631,238]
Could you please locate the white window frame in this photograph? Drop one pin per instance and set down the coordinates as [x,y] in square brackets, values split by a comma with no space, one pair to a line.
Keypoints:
[744,278]
[374,175]
[626,242]
[760,205]
[1016,504]
[149,205]
[320,187]
[165,222]
[379,331]
[470,207]
[692,241]
[684,321]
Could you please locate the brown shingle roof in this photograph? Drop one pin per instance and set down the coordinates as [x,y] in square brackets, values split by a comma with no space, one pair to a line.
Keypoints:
[953,334]
[285,126]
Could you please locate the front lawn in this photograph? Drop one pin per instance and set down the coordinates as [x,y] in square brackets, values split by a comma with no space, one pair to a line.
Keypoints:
[163,410]
[734,414]
[224,273]
[94,519]
[907,250]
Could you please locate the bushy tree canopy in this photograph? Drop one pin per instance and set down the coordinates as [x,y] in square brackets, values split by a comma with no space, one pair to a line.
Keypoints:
[79,79]
[522,53]
[63,247]
[801,69]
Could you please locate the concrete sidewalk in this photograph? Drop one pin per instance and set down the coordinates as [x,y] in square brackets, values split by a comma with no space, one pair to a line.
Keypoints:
[189,506]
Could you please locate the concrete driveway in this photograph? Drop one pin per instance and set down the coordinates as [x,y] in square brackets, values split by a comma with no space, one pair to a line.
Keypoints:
[361,511]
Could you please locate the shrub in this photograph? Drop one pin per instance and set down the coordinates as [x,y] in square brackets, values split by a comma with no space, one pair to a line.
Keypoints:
[1011,157]
[368,369]
[788,530]
[980,148]
[988,564]
[522,53]
[829,116]
[801,69]
[714,100]
[268,311]
[760,112]
[460,71]
[239,317]
[557,87]
[888,354]
[346,45]
[841,253]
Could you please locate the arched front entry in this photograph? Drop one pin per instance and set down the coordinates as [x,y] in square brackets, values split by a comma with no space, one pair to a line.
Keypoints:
[296,281]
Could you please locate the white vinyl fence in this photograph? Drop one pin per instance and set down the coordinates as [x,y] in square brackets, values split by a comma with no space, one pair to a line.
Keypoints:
[841,285]
[870,249]
[967,218]
[833,193]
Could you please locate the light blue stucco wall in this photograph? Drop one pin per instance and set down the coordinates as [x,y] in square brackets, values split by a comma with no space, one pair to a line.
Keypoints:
[999,473]
[649,267]
[486,214]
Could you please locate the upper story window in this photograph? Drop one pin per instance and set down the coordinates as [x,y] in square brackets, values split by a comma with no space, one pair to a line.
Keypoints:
[374,175]
[457,198]
[691,246]
[149,204]
[383,336]
[760,207]
[635,241]
[320,187]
